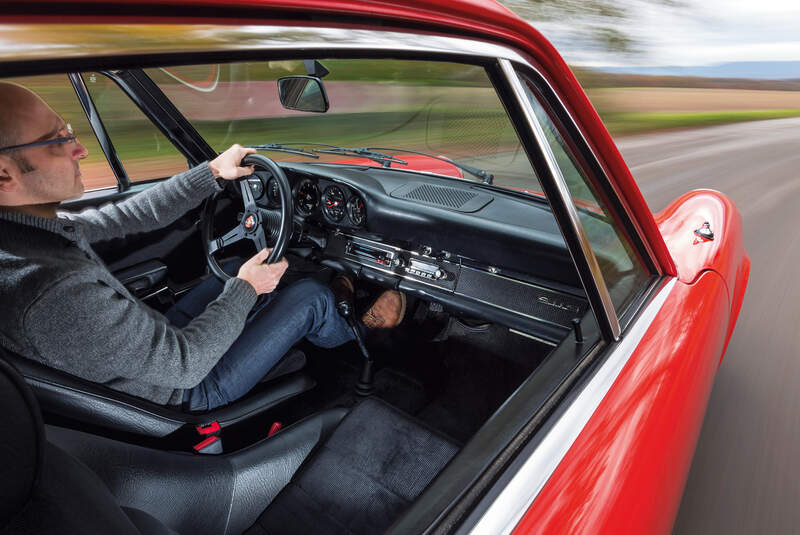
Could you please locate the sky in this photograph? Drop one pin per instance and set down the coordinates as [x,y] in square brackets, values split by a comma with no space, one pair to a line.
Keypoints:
[703,32]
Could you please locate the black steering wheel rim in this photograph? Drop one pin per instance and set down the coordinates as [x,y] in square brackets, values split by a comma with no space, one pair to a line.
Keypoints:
[253,220]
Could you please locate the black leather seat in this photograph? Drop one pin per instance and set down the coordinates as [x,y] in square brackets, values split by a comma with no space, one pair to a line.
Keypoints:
[71,397]
[91,484]
[43,490]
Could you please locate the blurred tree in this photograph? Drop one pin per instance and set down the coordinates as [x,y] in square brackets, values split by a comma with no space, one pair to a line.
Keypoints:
[598,24]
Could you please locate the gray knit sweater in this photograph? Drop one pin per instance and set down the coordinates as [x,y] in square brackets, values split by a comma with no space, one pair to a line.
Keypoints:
[61,306]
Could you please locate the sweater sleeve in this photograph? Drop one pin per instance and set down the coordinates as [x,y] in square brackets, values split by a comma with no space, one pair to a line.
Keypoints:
[150,209]
[89,329]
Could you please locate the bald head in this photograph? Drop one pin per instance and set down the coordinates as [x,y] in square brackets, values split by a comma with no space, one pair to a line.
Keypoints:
[17,105]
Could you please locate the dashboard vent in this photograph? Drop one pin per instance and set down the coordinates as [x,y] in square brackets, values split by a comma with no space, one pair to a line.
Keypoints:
[446,197]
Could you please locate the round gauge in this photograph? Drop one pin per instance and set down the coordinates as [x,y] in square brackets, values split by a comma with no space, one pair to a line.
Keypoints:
[256,186]
[307,196]
[333,203]
[357,211]
[273,192]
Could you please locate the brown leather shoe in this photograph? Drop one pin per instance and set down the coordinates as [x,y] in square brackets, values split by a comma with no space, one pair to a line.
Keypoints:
[387,311]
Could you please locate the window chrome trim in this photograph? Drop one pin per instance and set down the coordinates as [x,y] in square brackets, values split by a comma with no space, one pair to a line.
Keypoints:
[69,41]
[604,309]
[514,500]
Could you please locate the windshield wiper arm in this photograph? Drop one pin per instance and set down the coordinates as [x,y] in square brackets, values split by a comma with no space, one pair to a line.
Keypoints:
[485,176]
[285,147]
[386,160]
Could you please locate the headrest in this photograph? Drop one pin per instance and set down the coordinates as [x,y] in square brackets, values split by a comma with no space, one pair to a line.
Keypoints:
[21,441]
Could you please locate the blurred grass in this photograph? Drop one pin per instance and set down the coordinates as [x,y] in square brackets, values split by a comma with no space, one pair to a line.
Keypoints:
[619,123]
[465,134]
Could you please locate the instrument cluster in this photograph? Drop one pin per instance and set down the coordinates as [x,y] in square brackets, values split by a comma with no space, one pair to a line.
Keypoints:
[326,200]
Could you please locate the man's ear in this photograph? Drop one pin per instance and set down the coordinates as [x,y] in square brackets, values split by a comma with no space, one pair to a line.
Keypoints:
[9,175]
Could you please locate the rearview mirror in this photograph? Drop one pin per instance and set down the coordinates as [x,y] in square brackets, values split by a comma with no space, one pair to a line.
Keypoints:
[303,93]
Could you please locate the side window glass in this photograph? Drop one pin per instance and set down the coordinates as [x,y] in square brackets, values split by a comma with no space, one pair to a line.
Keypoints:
[57,91]
[144,151]
[622,268]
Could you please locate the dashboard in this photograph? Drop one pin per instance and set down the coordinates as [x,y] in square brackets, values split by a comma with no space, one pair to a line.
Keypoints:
[473,249]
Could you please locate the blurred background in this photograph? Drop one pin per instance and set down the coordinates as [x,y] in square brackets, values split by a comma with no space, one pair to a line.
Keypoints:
[655,64]
[706,94]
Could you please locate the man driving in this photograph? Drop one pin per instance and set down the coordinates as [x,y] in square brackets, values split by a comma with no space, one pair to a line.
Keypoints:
[63,307]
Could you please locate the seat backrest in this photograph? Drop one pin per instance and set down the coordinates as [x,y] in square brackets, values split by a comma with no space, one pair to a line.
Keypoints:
[90,403]
[42,489]
[21,443]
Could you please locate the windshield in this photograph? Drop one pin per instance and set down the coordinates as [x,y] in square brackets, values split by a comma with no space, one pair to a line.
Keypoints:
[442,109]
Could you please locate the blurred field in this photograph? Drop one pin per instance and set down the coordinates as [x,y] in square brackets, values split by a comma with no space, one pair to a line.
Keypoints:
[689,99]
[628,123]
[671,102]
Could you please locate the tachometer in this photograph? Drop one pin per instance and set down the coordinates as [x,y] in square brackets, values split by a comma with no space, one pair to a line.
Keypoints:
[333,203]
[356,210]
[307,197]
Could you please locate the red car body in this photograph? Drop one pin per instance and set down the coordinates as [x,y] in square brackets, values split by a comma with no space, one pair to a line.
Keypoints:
[626,470]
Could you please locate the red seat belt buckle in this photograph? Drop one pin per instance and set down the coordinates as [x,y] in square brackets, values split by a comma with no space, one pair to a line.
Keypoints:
[274,428]
[212,444]
[208,429]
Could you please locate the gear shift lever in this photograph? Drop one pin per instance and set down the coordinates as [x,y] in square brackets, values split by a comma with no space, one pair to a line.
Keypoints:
[364,386]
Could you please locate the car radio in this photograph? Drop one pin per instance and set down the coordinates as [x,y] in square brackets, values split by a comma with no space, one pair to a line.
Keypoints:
[400,262]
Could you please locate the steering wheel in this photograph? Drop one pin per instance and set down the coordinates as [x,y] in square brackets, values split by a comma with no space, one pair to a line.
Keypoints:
[256,225]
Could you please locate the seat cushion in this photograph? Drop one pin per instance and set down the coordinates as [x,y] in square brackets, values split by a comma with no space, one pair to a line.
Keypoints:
[361,480]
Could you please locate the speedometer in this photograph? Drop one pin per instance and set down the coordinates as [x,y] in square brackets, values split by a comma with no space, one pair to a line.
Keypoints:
[307,197]
[333,203]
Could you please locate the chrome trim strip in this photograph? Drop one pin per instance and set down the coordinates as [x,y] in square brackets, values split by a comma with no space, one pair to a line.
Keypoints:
[566,199]
[526,335]
[31,42]
[515,499]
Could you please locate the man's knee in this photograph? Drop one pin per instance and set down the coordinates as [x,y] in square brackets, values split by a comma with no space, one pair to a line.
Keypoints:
[310,291]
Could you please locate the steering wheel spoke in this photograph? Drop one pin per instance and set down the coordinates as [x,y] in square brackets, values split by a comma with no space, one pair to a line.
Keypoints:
[259,239]
[247,195]
[232,236]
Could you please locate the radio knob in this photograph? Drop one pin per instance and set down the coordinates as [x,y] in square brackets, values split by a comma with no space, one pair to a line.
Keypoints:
[439,274]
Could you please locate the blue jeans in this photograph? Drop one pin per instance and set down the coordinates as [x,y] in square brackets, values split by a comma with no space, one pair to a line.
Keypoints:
[304,309]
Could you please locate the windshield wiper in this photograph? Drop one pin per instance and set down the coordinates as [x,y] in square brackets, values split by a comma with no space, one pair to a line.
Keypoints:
[486,177]
[371,153]
[286,147]
[386,160]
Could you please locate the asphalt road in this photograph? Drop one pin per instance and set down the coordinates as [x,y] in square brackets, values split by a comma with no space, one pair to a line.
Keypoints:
[745,477]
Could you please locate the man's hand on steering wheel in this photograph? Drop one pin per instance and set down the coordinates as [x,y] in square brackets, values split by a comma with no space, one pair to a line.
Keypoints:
[228,164]
[264,278]
[257,224]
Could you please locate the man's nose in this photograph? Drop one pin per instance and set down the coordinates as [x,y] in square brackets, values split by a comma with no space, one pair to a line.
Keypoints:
[79,151]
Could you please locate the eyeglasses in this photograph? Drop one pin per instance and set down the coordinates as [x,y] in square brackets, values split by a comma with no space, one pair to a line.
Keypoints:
[69,138]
